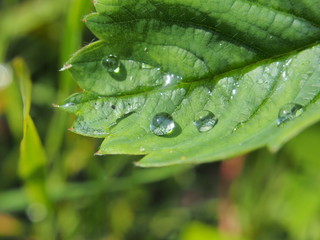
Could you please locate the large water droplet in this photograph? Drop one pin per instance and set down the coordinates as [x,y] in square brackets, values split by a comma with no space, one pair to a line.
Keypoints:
[289,112]
[162,124]
[111,63]
[205,121]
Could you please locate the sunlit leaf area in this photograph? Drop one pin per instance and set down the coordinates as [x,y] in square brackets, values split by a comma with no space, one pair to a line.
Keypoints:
[159,120]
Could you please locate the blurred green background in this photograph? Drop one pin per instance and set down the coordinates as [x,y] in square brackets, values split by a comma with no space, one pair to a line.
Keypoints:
[53,187]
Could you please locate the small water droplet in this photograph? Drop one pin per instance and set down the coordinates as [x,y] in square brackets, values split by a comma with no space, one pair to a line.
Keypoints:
[145,66]
[111,63]
[145,49]
[236,128]
[162,124]
[98,105]
[170,79]
[289,112]
[142,149]
[67,105]
[235,89]
[205,121]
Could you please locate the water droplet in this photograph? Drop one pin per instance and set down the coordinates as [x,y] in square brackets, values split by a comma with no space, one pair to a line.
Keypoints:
[289,112]
[162,124]
[142,149]
[145,49]
[145,66]
[98,105]
[239,125]
[234,90]
[111,63]
[205,121]
[170,79]
[67,105]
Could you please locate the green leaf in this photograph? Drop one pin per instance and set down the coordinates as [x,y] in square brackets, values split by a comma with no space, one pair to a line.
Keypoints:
[240,60]
[32,155]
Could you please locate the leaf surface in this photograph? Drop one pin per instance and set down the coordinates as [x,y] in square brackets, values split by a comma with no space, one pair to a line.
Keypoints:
[33,158]
[241,60]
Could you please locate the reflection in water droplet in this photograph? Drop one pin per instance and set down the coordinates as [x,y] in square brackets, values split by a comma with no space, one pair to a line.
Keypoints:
[205,121]
[142,149]
[111,63]
[239,125]
[162,124]
[234,89]
[171,79]
[67,105]
[284,75]
[289,112]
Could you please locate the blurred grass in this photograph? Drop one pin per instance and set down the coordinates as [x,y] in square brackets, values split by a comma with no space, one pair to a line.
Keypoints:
[107,198]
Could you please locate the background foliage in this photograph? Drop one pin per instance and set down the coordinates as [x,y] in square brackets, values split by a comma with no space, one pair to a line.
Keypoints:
[70,194]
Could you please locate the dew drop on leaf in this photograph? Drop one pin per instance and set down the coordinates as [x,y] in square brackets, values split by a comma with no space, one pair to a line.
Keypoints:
[111,63]
[205,121]
[67,105]
[142,149]
[162,124]
[170,79]
[289,112]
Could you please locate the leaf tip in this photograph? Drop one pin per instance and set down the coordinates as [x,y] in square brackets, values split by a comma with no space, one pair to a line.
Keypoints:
[71,129]
[65,67]
[138,164]
[55,105]
[99,153]
[84,20]
[94,2]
